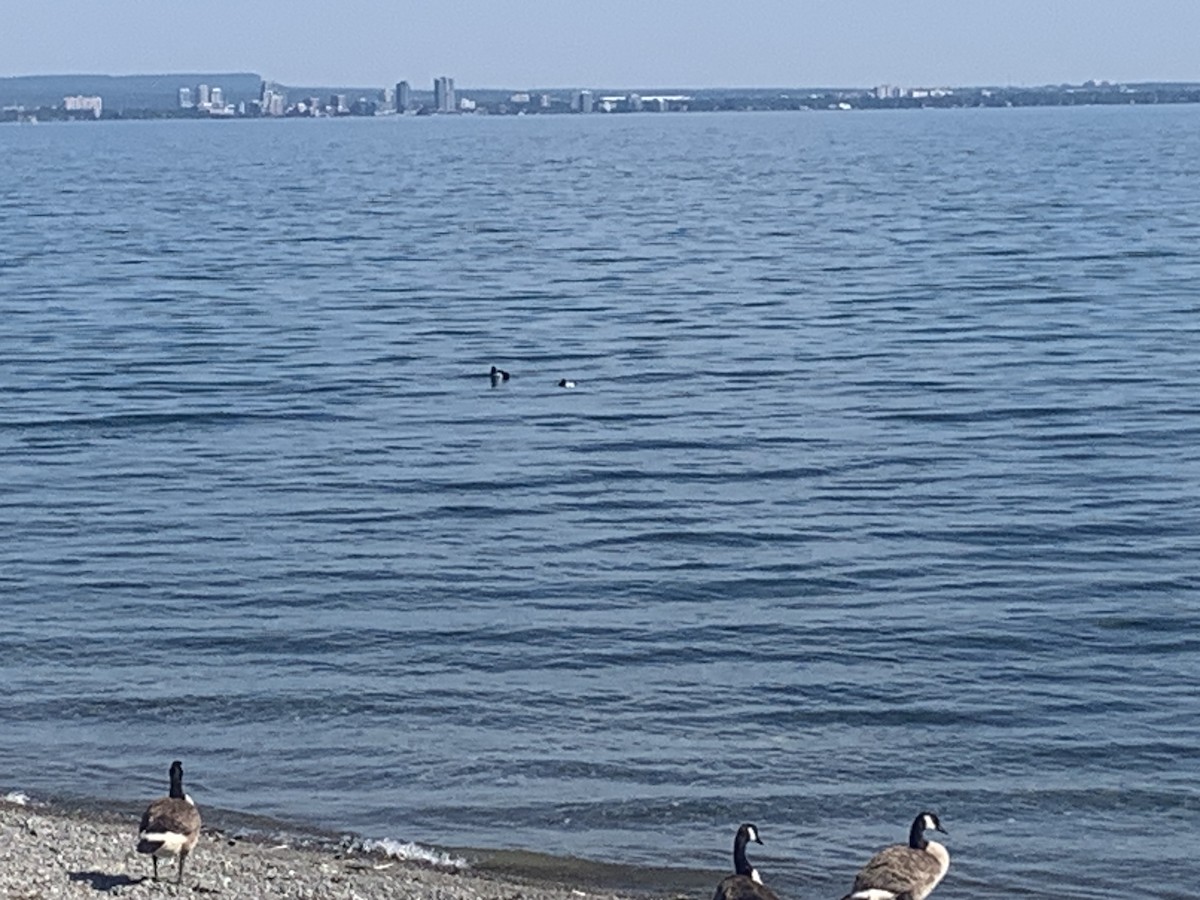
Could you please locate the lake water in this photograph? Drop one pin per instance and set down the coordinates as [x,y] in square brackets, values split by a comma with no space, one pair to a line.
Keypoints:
[879,491]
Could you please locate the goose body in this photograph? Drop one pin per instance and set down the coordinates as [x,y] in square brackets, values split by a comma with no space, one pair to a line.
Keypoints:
[745,882]
[170,825]
[498,375]
[905,872]
[566,383]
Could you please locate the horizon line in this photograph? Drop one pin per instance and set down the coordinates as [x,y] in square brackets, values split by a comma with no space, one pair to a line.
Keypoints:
[575,87]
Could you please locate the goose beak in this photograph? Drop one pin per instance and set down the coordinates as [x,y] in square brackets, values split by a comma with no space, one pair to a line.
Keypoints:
[941,829]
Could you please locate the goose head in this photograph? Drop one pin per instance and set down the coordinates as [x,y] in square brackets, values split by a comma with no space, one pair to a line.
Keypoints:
[745,834]
[923,822]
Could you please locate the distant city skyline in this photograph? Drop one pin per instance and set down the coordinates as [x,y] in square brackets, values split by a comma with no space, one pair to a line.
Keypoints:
[616,43]
[35,98]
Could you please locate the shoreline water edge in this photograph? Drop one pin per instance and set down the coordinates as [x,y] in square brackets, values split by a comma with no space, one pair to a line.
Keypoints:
[66,850]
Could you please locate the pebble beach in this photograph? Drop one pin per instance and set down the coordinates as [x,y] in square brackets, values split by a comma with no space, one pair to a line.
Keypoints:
[56,853]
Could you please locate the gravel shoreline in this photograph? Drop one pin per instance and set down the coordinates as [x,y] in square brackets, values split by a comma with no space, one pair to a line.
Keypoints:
[55,853]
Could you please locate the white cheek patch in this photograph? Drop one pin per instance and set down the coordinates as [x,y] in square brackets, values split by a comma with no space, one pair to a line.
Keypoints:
[752,833]
[929,823]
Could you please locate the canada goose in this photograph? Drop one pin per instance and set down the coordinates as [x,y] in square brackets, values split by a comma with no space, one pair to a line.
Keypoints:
[904,872]
[170,825]
[498,375]
[566,382]
[745,883]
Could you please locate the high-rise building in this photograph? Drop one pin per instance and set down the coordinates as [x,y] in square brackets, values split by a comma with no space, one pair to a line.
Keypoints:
[92,105]
[403,97]
[443,94]
[217,97]
[203,100]
[271,102]
[185,98]
[584,101]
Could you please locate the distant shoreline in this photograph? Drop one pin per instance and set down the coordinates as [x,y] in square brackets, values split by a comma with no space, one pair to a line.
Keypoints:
[248,95]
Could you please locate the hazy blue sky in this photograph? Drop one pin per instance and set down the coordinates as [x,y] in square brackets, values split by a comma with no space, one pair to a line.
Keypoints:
[612,43]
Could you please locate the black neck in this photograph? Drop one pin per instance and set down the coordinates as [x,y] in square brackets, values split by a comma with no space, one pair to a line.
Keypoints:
[741,865]
[177,782]
[916,837]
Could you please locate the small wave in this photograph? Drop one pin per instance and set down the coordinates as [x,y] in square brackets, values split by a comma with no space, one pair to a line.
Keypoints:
[407,850]
[17,798]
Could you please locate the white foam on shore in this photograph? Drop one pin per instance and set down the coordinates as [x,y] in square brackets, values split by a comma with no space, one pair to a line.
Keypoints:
[17,798]
[410,851]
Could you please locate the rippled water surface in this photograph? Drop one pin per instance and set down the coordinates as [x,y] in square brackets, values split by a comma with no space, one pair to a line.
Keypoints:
[879,491]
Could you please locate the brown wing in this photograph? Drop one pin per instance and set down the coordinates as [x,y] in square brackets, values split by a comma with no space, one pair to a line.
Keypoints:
[171,814]
[742,887]
[898,869]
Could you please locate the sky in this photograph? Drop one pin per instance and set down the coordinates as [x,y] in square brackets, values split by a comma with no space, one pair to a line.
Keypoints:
[612,43]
